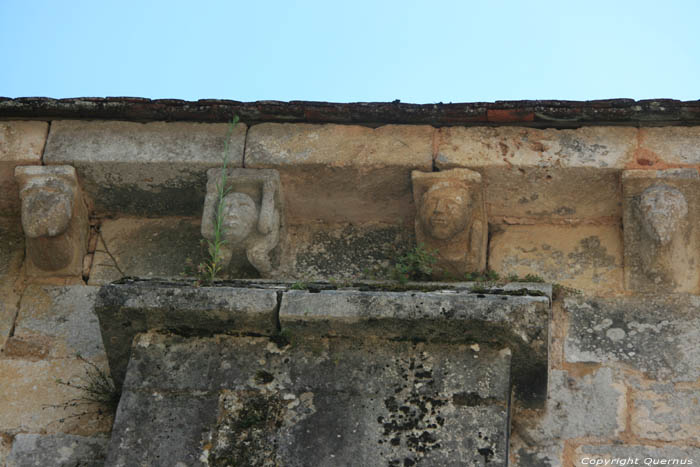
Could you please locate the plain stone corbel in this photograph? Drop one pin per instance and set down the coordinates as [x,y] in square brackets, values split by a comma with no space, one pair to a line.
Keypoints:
[54,220]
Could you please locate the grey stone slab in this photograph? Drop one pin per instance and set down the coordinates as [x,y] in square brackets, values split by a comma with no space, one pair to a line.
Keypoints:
[155,168]
[519,322]
[636,455]
[60,319]
[129,308]
[663,411]
[659,336]
[57,451]
[321,402]
[161,429]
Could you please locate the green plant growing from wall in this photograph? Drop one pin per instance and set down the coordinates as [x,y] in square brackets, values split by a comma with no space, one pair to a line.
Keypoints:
[210,268]
[416,264]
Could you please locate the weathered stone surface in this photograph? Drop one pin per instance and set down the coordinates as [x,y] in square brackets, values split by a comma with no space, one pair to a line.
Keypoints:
[321,402]
[57,322]
[636,455]
[166,247]
[343,173]
[33,400]
[508,146]
[127,309]
[343,251]
[577,406]
[584,257]
[161,429]
[451,220]
[532,174]
[667,413]
[546,195]
[672,145]
[21,143]
[662,241]
[252,216]
[5,446]
[11,256]
[57,450]
[515,321]
[153,168]
[54,220]
[655,335]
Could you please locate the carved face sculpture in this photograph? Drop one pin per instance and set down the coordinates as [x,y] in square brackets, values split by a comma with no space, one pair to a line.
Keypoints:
[445,210]
[240,216]
[662,208]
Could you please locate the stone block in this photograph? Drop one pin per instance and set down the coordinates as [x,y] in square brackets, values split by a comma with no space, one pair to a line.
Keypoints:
[149,248]
[322,402]
[670,145]
[593,405]
[21,143]
[57,450]
[584,257]
[635,454]
[57,322]
[667,413]
[531,175]
[519,322]
[343,173]
[129,308]
[509,146]
[154,168]
[662,240]
[54,220]
[343,251]
[153,428]
[33,401]
[451,220]
[535,195]
[657,335]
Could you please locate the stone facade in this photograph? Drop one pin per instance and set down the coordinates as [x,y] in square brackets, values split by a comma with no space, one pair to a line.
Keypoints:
[311,358]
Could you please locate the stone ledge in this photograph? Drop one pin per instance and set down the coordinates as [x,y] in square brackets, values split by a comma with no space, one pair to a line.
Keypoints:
[518,322]
[125,310]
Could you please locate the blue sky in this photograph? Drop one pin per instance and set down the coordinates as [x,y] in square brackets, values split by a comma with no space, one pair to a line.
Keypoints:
[421,52]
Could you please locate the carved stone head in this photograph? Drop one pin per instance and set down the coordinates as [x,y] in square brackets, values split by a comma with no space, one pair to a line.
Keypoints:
[445,210]
[240,216]
[662,208]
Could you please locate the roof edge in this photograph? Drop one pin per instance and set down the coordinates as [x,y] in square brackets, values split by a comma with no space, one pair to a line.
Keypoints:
[538,113]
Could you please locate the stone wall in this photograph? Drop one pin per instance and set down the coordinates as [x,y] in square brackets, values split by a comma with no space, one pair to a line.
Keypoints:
[577,207]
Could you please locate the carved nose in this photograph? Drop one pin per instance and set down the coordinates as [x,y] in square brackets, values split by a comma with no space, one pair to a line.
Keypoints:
[440,207]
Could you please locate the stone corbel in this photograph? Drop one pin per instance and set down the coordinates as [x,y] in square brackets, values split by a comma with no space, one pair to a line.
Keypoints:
[662,242]
[451,220]
[54,220]
[252,219]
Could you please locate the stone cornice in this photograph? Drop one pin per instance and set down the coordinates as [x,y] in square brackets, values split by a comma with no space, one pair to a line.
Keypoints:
[541,114]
